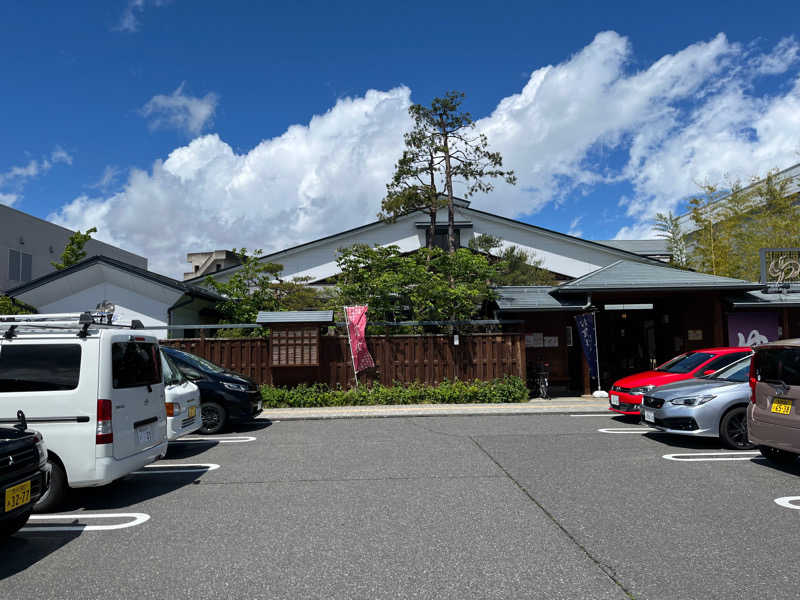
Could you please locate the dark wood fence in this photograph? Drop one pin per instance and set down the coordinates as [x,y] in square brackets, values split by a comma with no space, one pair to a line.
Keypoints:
[401,358]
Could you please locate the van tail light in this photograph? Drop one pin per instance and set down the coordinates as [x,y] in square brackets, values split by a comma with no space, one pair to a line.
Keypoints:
[753,381]
[104,431]
[170,409]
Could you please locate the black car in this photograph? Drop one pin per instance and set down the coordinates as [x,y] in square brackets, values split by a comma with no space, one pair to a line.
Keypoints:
[225,397]
[24,474]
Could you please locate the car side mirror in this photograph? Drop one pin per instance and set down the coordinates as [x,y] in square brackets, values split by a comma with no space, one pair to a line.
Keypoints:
[191,374]
[708,371]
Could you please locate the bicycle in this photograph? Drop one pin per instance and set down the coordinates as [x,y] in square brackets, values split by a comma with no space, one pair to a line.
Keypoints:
[542,380]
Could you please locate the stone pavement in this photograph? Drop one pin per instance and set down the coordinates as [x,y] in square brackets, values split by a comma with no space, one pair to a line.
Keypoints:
[554,406]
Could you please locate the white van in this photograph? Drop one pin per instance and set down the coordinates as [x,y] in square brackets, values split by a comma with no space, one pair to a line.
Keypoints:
[182,401]
[94,391]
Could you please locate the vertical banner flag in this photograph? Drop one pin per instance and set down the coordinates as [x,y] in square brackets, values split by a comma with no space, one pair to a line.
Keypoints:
[356,332]
[588,336]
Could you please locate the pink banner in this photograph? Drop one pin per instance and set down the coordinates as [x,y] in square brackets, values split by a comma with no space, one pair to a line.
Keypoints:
[356,330]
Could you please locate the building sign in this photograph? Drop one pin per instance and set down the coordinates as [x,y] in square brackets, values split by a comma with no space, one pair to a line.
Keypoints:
[752,328]
[780,265]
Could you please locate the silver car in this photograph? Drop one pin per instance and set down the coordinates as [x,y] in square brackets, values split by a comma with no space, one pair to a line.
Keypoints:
[711,406]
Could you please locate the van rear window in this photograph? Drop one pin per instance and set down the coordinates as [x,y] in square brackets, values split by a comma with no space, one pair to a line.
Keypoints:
[135,364]
[39,367]
[779,365]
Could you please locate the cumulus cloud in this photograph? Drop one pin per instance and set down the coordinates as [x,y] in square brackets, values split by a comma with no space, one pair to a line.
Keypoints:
[688,116]
[8,199]
[180,111]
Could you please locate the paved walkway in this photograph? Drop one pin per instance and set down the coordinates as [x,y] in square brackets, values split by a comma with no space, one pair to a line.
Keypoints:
[555,406]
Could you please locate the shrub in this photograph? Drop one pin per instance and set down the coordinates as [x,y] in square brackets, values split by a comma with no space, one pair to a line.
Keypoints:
[508,389]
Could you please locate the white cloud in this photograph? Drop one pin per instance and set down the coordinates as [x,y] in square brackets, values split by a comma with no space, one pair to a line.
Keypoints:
[690,115]
[107,179]
[180,111]
[129,19]
[8,199]
[574,226]
[20,173]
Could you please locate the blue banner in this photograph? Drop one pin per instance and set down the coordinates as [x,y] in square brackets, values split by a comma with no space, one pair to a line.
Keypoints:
[588,335]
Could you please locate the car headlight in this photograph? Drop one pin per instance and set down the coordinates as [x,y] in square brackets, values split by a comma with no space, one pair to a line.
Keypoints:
[236,387]
[692,400]
[41,448]
[642,390]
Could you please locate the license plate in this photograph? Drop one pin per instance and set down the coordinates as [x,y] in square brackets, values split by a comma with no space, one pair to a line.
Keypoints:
[781,405]
[144,435]
[649,415]
[614,400]
[18,495]
[192,411]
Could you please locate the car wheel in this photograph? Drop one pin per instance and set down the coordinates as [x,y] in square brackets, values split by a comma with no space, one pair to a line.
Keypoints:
[778,456]
[55,494]
[733,429]
[12,526]
[214,418]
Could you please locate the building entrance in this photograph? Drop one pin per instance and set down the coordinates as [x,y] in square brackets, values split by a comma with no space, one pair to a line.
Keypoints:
[627,341]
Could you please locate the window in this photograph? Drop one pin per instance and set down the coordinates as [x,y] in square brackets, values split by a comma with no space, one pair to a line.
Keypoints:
[135,364]
[39,367]
[724,361]
[778,365]
[172,375]
[19,266]
[685,362]
[440,238]
[739,372]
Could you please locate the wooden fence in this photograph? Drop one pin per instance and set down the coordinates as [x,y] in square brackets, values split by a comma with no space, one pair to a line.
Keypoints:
[401,358]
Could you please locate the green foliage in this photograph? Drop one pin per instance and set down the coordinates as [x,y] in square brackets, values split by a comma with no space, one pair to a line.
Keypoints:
[513,265]
[427,285]
[508,389]
[8,307]
[731,227]
[442,148]
[669,227]
[73,251]
[257,286]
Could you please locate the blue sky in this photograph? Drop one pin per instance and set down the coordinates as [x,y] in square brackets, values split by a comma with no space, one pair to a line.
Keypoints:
[270,124]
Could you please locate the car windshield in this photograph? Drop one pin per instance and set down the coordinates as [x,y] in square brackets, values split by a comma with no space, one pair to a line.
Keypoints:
[172,374]
[738,371]
[199,363]
[685,363]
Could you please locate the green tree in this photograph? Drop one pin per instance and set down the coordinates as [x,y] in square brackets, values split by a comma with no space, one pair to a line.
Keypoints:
[443,148]
[427,285]
[513,265]
[9,307]
[256,285]
[73,251]
[669,227]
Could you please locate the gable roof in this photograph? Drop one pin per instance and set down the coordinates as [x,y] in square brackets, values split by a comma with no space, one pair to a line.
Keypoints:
[626,275]
[193,290]
[615,249]
[537,298]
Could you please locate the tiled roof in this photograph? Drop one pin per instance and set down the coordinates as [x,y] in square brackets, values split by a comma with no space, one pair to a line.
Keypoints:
[295,316]
[525,298]
[761,299]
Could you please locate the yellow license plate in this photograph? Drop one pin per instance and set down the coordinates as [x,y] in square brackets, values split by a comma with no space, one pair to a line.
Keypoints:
[192,411]
[781,405]
[18,495]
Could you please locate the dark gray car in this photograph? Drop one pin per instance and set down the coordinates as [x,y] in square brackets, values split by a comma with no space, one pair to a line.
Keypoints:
[711,406]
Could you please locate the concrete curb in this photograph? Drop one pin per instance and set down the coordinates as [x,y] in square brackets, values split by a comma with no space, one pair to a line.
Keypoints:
[551,407]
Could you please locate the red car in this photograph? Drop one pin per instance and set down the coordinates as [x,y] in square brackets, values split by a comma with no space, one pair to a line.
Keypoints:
[626,394]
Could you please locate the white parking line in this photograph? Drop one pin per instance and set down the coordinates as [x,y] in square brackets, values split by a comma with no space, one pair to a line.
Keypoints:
[638,430]
[222,440]
[177,468]
[786,502]
[138,519]
[595,415]
[711,456]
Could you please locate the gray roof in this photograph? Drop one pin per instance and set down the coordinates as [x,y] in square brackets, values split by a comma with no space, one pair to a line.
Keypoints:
[657,247]
[295,316]
[535,297]
[625,275]
[761,299]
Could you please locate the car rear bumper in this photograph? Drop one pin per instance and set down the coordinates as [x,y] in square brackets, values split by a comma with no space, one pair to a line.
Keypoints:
[774,435]
[108,468]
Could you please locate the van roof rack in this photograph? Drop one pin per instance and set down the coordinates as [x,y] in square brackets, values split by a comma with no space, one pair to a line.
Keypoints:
[80,322]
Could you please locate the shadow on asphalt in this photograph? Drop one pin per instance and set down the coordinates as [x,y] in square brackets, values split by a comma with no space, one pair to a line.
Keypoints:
[249,426]
[24,549]
[685,442]
[177,451]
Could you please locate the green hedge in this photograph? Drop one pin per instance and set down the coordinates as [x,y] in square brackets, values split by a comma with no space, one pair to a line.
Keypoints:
[508,389]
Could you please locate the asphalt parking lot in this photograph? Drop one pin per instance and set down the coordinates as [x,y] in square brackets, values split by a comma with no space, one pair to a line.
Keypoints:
[535,506]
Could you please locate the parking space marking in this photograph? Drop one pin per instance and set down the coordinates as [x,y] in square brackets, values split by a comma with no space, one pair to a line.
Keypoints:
[137,519]
[786,502]
[593,415]
[638,430]
[711,456]
[177,468]
[222,440]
